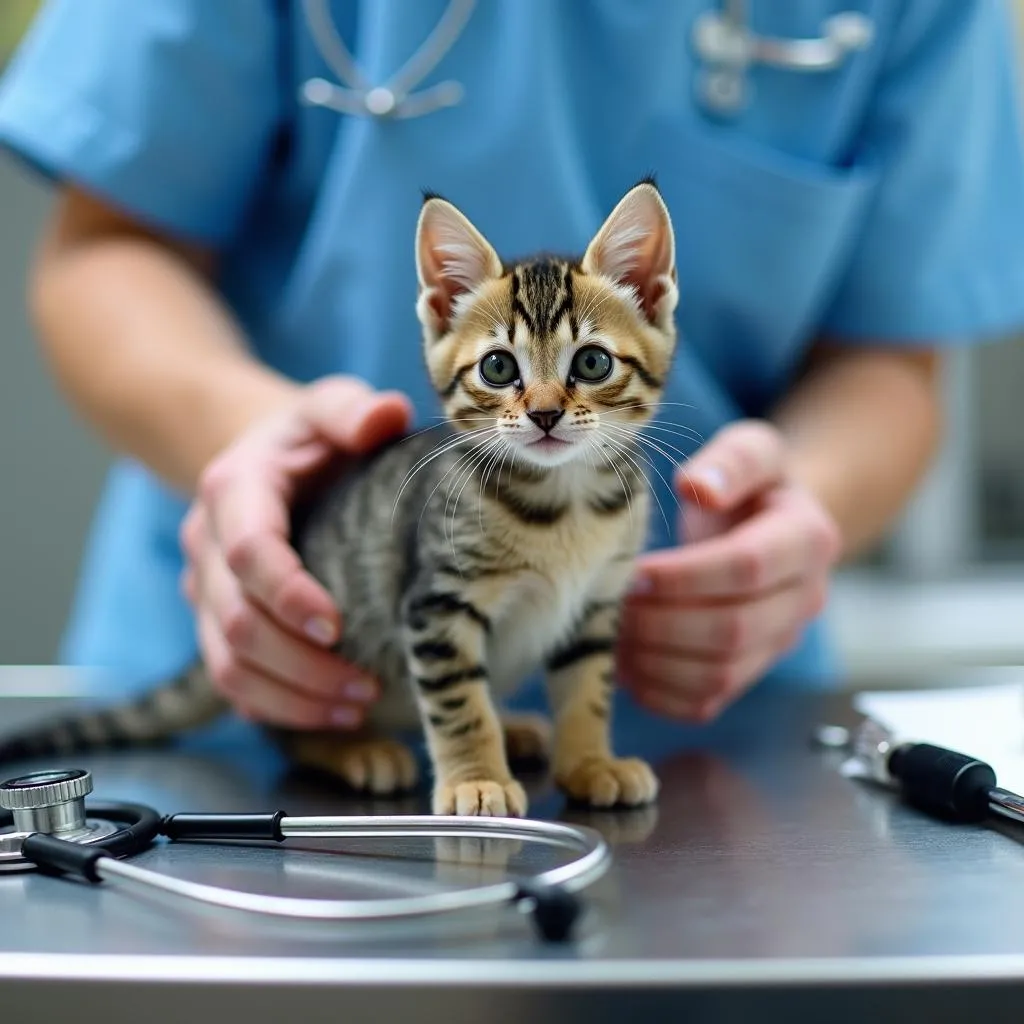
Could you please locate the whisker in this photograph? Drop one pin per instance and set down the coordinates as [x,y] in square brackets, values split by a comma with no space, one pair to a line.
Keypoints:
[434,453]
[490,306]
[444,476]
[684,456]
[654,446]
[424,430]
[632,456]
[499,453]
[682,432]
[584,315]
[465,481]
[596,302]
[665,448]
[660,402]
[690,432]
[627,490]
[680,465]
[480,417]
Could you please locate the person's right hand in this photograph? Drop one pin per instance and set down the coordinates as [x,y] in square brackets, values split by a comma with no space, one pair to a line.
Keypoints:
[265,625]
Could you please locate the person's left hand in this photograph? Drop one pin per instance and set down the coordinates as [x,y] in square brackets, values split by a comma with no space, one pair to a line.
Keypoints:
[705,620]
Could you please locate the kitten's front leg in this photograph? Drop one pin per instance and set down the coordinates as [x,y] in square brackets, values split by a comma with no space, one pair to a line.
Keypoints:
[581,682]
[445,641]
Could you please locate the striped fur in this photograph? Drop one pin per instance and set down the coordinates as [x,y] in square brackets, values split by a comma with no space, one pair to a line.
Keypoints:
[467,556]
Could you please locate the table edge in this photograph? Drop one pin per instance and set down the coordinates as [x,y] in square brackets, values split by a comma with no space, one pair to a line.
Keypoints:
[556,973]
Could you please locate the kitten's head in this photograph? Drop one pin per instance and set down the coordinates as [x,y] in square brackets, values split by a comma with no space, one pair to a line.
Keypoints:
[541,351]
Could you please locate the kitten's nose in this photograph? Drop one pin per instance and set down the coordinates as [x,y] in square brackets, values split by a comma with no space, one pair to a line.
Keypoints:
[546,418]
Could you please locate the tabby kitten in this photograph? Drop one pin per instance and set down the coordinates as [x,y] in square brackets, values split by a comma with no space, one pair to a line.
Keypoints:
[468,556]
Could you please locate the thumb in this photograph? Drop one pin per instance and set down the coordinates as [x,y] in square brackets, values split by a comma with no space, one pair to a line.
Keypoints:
[355,417]
[738,463]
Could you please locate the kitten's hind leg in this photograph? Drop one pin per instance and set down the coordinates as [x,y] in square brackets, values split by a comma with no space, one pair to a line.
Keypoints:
[528,737]
[364,761]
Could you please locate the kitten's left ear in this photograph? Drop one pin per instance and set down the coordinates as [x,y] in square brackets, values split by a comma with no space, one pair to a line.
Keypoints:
[636,247]
[452,258]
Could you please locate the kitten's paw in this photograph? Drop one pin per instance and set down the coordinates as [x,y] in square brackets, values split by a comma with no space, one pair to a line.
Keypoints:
[481,799]
[378,766]
[608,782]
[527,736]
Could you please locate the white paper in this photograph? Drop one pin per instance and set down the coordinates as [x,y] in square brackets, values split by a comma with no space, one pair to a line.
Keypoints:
[986,722]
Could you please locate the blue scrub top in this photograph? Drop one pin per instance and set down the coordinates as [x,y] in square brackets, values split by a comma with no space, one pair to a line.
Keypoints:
[880,201]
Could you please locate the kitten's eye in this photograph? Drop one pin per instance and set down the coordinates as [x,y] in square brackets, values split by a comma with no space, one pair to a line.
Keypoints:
[499,369]
[591,364]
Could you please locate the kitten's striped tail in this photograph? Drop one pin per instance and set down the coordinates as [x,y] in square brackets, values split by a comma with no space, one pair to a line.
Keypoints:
[187,702]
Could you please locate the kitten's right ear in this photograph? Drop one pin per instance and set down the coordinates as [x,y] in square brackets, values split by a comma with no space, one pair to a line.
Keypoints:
[452,259]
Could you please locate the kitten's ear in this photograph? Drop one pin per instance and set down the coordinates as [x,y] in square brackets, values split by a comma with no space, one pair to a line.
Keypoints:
[636,247]
[452,258]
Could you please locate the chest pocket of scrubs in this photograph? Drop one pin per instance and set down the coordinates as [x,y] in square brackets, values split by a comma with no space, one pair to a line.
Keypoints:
[762,238]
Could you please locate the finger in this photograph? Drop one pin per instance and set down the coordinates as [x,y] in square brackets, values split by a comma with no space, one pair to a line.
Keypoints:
[749,674]
[189,588]
[355,417]
[193,539]
[262,698]
[737,464]
[694,685]
[193,531]
[686,677]
[256,639]
[758,555]
[250,525]
[669,705]
[726,628]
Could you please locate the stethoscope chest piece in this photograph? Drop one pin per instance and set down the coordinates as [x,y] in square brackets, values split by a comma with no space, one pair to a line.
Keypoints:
[50,802]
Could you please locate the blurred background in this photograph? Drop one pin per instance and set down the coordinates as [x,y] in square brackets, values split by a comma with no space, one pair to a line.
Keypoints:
[946,591]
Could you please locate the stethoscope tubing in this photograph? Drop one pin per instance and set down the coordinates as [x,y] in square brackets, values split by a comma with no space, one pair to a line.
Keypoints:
[100,861]
[723,42]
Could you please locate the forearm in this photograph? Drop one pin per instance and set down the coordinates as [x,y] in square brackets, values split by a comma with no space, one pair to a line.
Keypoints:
[147,354]
[862,426]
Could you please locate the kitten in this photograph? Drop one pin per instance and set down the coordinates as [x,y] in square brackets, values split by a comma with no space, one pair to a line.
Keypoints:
[470,555]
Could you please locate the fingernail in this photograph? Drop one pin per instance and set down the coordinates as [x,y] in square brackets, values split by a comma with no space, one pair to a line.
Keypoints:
[711,477]
[346,716]
[320,630]
[361,690]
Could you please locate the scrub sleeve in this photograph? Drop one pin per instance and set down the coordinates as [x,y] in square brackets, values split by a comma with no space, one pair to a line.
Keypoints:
[165,108]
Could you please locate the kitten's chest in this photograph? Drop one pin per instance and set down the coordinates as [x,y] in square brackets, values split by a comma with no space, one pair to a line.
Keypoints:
[538,616]
[567,570]
[585,556]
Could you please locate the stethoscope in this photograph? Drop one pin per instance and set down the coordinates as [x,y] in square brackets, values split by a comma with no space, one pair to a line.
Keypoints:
[722,39]
[46,825]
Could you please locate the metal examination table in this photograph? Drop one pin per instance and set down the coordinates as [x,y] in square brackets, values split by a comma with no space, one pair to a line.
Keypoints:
[763,883]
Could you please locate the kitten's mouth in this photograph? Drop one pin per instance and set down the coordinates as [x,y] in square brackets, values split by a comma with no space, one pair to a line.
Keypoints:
[549,444]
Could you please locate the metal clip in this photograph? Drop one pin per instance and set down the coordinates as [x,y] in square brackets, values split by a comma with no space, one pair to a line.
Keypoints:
[724,42]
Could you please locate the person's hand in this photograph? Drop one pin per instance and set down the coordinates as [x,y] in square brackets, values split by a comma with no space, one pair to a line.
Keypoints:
[265,625]
[704,621]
